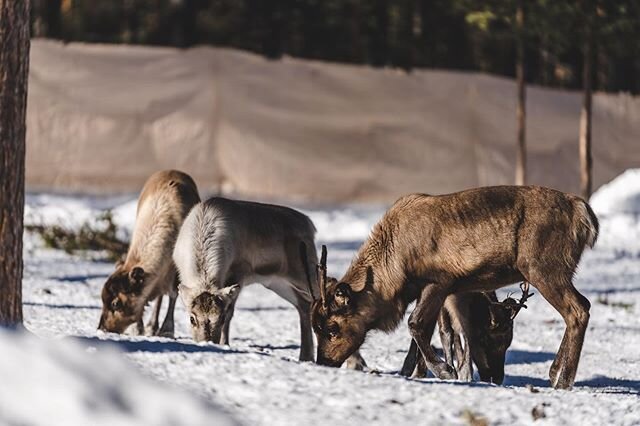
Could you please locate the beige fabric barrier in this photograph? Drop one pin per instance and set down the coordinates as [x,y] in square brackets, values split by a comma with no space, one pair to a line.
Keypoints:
[102,118]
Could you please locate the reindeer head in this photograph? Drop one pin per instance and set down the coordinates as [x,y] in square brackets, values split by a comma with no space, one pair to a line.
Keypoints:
[337,320]
[122,299]
[209,312]
[497,334]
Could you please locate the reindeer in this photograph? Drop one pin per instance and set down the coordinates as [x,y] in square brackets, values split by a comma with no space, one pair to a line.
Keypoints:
[483,324]
[428,247]
[148,272]
[225,245]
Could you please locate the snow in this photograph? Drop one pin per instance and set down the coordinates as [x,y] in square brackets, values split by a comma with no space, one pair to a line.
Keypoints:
[620,196]
[70,382]
[617,204]
[259,380]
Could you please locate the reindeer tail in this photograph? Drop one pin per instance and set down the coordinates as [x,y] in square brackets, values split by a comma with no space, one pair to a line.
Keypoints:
[586,223]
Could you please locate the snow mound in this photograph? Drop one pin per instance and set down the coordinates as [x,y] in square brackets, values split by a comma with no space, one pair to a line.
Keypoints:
[346,225]
[620,196]
[617,205]
[63,382]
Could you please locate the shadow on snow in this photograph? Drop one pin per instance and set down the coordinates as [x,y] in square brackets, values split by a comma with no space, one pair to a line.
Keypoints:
[612,385]
[157,346]
[62,306]
[519,356]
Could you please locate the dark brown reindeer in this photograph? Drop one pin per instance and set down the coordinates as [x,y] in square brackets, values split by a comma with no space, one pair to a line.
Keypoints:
[484,324]
[428,247]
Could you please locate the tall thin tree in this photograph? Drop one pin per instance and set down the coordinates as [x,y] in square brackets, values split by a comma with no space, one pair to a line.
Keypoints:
[586,161]
[521,112]
[14,66]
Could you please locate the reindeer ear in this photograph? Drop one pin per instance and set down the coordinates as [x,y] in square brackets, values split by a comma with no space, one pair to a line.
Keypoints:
[360,285]
[343,296]
[513,311]
[230,293]
[494,307]
[136,277]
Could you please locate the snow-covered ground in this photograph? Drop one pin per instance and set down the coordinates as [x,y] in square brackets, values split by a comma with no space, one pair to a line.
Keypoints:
[55,383]
[258,379]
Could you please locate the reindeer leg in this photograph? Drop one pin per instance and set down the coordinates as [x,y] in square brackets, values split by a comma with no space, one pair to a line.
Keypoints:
[574,309]
[306,333]
[447,336]
[422,323]
[410,360]
[152,325]
[463,355]
[224,337]
[463,358]
[480,358]
[421,369]
[168,325]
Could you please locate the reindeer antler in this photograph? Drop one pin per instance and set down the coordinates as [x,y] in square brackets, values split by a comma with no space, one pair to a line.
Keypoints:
[321,274]
[524,287]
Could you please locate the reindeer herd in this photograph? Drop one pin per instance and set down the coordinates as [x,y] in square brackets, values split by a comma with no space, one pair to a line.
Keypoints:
[447,253]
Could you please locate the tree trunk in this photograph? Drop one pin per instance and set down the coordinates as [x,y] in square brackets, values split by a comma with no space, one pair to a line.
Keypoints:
[54,18]
[586,162]
[521,114]
[380,34]
[189,22]
[407,43]
[14,65]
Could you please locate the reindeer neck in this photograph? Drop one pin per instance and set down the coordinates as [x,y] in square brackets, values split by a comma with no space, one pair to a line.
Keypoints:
[381,300]
[386,277]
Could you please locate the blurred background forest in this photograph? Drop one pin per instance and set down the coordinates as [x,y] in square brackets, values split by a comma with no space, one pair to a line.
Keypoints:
[453,34]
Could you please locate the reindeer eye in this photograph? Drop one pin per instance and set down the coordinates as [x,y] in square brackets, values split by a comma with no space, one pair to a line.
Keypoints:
[333,330]
[193,320]
[116,305]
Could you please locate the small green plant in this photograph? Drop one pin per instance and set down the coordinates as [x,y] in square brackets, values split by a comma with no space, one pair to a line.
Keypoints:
[102,236]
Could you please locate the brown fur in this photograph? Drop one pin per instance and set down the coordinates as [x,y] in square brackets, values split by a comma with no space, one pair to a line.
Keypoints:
[486,328]
[148,272]
[427,247]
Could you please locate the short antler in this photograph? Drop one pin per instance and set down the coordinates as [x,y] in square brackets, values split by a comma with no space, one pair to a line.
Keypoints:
[321,273]
[524,287]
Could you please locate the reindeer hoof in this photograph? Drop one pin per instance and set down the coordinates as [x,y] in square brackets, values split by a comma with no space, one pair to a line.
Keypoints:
[447,373]
[150,331]
[356,365]
[560,382]
[407,371]
[166,333]
[562,385]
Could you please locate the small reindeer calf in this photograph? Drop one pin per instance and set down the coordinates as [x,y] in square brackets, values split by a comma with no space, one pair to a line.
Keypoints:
[484,324]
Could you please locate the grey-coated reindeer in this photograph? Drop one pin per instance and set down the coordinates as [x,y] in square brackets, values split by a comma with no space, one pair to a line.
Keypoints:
[428,247]
[225,245]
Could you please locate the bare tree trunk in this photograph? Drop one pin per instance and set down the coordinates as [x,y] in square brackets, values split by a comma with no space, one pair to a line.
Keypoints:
[14,65]
[54,18]
[521,113]
[586,162]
